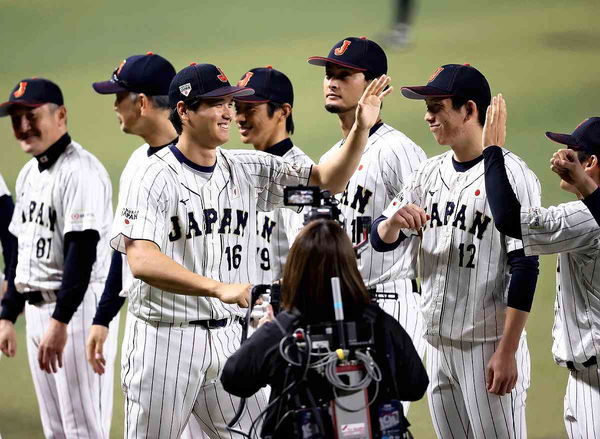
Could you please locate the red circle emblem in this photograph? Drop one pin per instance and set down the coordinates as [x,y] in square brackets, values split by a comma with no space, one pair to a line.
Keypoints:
[360,167]
[394,203]
[126,221]
[477,192]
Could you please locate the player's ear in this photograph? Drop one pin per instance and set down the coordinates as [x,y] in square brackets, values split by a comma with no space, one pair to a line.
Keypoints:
[470,110]
[592,162]
[182,110]
[286,110]
[144,102]
[61,114]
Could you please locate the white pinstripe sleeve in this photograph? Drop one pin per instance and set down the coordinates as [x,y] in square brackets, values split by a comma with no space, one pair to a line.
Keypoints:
[144,212]
[410,193]
[271,174]
[399,161]
[526,186]
[568,227]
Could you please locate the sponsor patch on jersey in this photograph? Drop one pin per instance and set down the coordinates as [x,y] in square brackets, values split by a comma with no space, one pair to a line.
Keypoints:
[185,89]
[535,218]
[78,217]
[130,214]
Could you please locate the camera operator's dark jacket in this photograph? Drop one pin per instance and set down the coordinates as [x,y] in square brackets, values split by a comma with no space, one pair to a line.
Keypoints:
[258,363]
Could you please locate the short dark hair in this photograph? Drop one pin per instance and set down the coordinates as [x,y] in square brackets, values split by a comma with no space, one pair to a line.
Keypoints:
[289,122]
[192,105]
[161,102]
[369,76]
[458,102]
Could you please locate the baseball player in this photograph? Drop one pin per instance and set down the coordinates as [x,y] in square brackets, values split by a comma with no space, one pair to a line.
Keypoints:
[7,240]
[265,120]
[390,157]
[141,87]
[188,227]
[62,220]
[570,230]
[477,284]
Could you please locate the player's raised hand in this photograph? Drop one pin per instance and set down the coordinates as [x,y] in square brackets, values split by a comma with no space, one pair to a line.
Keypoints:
[50,350]
[369,105]
[494,130]
[8,338]
[566,164]
[234,294]
[501,373]
[95,346]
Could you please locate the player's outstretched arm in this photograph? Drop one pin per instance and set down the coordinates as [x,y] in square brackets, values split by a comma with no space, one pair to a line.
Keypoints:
[337,170]
[148,264]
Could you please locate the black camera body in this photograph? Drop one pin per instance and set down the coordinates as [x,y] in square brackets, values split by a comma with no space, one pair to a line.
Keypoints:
[323,205]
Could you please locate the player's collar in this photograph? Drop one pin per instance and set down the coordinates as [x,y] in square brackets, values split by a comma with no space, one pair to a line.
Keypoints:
[50,156]
[375,127]
[465,166]
[183,159]
[281,148]
[154,149]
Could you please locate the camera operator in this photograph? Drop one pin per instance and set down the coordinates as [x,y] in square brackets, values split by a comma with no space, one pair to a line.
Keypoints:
[321,251]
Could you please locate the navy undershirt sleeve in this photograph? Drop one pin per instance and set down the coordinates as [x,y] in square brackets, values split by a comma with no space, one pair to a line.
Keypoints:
[504,204]
[592,201]
[379,244]
[13,302]
[7,239]
[110,302]
[80,255]
[524,271]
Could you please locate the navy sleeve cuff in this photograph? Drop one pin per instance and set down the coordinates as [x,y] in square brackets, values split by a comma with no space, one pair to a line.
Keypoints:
[524,274]
[378,244]
[592,201]
[80,255]
[110,302]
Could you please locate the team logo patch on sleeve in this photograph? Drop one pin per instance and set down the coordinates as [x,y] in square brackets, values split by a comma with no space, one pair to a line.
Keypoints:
[185,89]
[536,220]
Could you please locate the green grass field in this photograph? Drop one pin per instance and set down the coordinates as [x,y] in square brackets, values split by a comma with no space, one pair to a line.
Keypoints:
[542,54]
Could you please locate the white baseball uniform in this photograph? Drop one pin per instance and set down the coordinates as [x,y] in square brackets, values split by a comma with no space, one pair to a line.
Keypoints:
[137,159]
[389,158]
[204,219]
[3,188]
[277,229]
[73,195]
[464,283]
[570,230]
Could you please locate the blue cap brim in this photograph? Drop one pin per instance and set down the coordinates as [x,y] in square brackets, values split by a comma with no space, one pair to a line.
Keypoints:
[564,139]
[6,106]
[108,87]
[323,61]
[423,92]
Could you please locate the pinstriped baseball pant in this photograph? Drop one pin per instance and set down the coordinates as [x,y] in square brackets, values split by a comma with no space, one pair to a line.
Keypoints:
[74,402]
[170,372]
[460,405]
[582,404]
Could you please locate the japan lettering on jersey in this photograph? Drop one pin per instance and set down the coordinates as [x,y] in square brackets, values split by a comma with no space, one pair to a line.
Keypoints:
[570,230]
[73,195]
[277,230]
[205,223]
[463,258]
[388,160]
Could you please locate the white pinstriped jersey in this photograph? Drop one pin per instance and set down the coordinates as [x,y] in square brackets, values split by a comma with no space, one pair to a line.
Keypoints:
[73,195]
[137,159]
[206,225]
[3,188]
[277,231]
[389,158]
[463,258]
[570,230]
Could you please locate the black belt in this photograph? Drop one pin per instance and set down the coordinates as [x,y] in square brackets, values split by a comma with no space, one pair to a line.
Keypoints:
[35,297]
[375,295]
[213,323]
[591,362]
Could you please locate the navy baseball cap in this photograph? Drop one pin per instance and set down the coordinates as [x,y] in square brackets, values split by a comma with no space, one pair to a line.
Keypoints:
[202,81]
[355,53]
[150,74]
[453,80]
[32,92]
[269,85]
[586,137]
